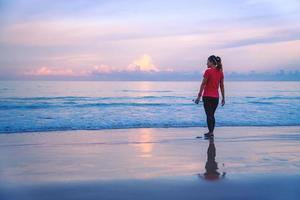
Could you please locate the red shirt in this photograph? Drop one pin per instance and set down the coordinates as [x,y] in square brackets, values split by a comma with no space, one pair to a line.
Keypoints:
[214,76]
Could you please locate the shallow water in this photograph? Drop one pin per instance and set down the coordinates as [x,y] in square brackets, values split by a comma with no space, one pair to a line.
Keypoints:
[63,105]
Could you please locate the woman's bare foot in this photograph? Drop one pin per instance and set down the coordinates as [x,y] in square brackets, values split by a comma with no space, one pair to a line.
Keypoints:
[209,134]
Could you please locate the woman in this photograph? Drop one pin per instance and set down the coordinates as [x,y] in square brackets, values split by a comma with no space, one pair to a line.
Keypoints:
[213,78]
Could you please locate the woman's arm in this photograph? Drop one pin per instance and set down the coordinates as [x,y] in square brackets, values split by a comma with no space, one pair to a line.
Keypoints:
[222,91]
[204,81]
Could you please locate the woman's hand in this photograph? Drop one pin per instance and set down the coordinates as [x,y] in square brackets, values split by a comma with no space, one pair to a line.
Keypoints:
[223,102]
[197,100]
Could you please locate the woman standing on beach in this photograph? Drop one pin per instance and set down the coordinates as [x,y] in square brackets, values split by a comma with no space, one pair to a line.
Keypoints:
[213,78]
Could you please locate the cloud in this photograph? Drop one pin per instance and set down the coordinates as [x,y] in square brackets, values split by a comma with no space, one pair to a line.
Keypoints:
[49,33]
[262,57]
[46,71]
[103,37]
[102,69]
[144,63]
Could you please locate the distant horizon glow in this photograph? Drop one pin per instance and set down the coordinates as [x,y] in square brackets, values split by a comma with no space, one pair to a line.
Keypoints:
[86,38]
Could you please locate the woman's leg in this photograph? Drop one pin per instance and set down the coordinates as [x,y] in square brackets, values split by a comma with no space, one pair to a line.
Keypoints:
[208,111]
[215,102]
[210,106]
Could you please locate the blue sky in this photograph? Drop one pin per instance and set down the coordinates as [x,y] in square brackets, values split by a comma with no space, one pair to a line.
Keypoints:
[84,37]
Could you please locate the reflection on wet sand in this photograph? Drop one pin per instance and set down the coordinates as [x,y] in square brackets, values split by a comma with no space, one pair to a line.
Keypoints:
[211,165]
[145,146]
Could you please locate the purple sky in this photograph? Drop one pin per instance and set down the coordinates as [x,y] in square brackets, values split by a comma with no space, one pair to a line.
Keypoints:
[85,37]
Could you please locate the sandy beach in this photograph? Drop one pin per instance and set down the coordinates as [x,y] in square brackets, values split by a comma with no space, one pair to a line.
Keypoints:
[152,163]
[111,100]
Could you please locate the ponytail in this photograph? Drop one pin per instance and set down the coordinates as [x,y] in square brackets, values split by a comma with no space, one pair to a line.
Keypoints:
[219,63]
[216,60]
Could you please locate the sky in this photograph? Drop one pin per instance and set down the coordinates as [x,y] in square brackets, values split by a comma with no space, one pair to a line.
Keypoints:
[40,38]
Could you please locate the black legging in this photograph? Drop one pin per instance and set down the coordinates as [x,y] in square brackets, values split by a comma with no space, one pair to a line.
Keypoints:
[210,106]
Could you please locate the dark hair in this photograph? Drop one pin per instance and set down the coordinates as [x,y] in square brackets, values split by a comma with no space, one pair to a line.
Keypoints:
[216,60]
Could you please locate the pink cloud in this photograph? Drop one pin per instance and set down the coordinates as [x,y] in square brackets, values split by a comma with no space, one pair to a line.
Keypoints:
[46,71]
[142,64]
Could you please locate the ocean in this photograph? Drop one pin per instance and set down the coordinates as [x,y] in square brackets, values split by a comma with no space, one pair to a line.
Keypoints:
[40,106]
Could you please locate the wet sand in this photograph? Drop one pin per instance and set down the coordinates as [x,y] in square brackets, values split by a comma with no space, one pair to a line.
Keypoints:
[240,163]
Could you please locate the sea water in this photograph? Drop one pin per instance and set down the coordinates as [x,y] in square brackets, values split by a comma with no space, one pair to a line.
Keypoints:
[38,106]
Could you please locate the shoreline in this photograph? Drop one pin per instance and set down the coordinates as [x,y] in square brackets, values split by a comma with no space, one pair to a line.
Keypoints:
[137,128]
